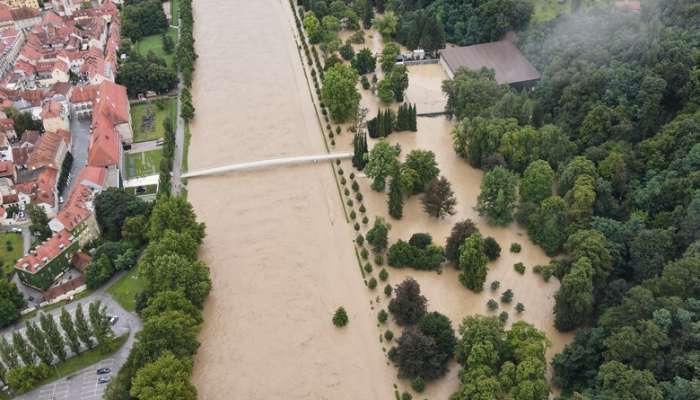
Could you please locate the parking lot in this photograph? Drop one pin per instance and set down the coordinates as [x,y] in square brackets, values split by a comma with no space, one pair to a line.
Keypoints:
[80,386]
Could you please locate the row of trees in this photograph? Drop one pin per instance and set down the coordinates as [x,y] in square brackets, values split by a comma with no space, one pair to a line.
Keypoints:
[387,121]
[177,284]
[26,358]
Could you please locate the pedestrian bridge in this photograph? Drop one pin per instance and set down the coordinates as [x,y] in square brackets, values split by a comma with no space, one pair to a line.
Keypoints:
[267,163]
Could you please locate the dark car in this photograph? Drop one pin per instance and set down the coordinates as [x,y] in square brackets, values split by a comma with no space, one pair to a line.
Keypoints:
[103,379]
[102,371]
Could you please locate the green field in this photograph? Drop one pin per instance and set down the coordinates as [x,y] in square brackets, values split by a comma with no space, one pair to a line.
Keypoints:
[11,250]
[125,289]
[548,9]
[147,118]
[175,12]
[143,164]
[155,43]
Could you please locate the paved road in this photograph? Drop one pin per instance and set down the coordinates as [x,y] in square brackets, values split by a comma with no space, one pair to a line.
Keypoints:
[140,147]
[176,180]
[80,138]
[83,385]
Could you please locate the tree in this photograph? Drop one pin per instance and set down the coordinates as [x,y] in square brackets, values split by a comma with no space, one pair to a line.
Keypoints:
[53,336]
[390,51]
[176,214]
[171,300]
[340,317]
[537,182]
[417,356]
[347,52]
[618,381]
[24,378]
[548,225]
[112,207]
[381,163]
[100,324]
[399,81]
[364,62]
[395,197]
[339,92]
[82,329]
[8,354]
[574,299]
[576,167]
[11,302]
[143,18]
[377,236]
[40,222]
[386,25]
[472,263]
[38,340]
[24,351]
[491,248]
[385,90]
[649,251]
[497,198]
[313,28]
[439,199]
[424,164]
[478,139]
[171,242]
[460,232]
[134,230]
[69,329]
[471,93]
[576,367]
[165,378]
[408,306]
[171,331]
[174,272]
[360,150]
[438,327]
[98,271]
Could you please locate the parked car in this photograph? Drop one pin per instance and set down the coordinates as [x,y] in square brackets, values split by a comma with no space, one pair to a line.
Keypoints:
[103,379]
[103,371]
[160,142]
[113,319]
[17,230]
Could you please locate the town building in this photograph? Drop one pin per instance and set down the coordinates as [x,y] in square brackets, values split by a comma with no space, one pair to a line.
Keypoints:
[14,4]
[47,262]
[503,57]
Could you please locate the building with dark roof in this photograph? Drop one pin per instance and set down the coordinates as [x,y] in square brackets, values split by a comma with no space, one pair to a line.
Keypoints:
[509,64]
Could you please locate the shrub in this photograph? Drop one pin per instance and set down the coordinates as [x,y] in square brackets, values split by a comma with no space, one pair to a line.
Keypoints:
[503,316]
[406,396]
[368,268]
[495,285]
[387,290]
[420,240]
[337,162]
[352,175]
[507,296]
[364,254]
[360,240]
[383,275]
[491,248]
[340,171]
[519,308]
[365,220]
[515,247]
[332,142]
[519,267]
[545,270]
[418,385]
[357,226]
[340,318]
[338,130]
[402,254]
[365,82]
[355,186]
[353,215]
[349,202]
[358,196]
[388,335]
[377,236]
[362,208]
[372,284]
[346,191]
[492,305]
[379,259]
[382,316]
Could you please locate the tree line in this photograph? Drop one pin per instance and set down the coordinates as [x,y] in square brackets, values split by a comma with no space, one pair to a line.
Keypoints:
[177,284]
[26,359]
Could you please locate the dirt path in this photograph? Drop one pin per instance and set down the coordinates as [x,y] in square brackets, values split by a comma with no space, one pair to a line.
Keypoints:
[278,244]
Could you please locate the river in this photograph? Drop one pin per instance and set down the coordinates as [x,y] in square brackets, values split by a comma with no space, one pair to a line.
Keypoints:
[277,242]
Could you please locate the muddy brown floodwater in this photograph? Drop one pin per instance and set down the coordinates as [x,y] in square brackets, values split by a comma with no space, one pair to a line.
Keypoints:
[278,245]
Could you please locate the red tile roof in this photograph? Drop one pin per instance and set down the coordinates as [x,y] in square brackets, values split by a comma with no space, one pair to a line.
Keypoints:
[112,102]
[83,94]
[46,151]
[104,143]
[45,252]
[77,208]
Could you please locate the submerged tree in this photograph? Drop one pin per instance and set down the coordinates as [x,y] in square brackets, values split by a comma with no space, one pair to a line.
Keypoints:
[439,199]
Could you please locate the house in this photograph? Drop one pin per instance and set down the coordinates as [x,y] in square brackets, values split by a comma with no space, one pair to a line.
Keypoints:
[78,214]
[11,42]
[503,57]
[112,102]
[14,4]
[50,150]
[46,263]
[55,116]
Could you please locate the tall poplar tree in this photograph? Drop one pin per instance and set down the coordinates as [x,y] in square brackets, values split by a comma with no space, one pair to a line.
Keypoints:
[38,340]
[25,352]
[53,336]
[8,354]
[69,330]
[82,328]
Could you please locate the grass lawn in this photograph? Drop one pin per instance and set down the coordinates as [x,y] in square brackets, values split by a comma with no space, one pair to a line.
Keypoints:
[175,12]
[548,9]
[125,290]
[83,360]
[147,118]
[11,250]
[155,43]
[143,164]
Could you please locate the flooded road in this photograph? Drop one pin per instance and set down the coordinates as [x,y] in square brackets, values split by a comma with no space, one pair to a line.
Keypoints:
[277,243]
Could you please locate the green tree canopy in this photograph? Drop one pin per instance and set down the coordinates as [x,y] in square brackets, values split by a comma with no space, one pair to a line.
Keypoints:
[339,92]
